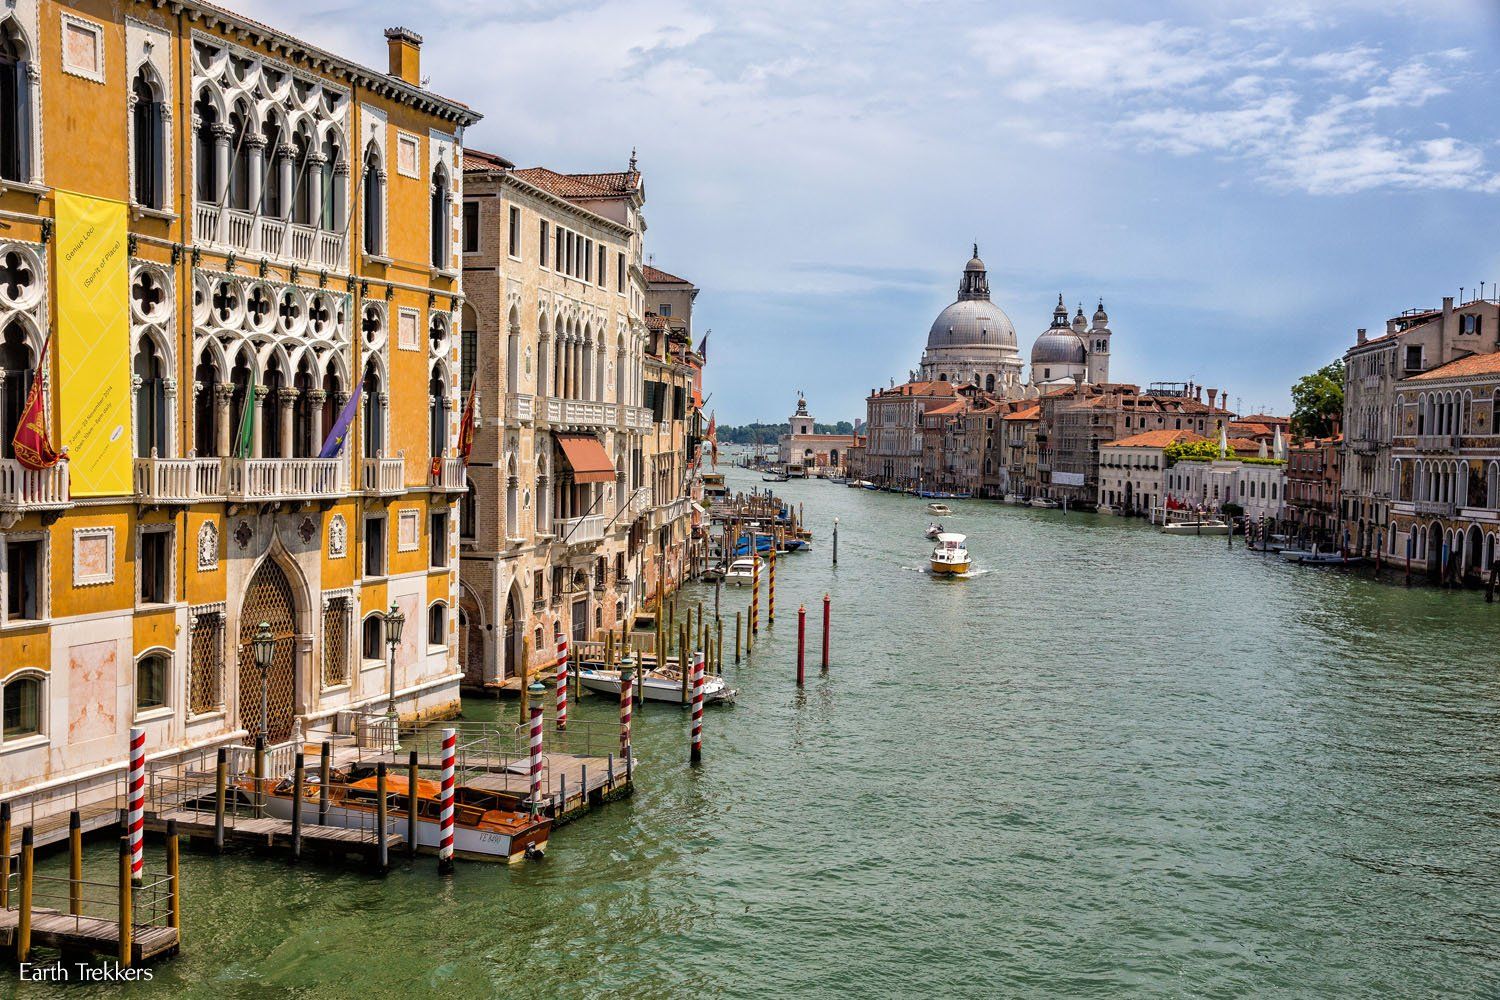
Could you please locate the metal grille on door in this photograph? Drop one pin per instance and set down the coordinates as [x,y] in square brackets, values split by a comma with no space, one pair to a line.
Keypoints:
[269,599]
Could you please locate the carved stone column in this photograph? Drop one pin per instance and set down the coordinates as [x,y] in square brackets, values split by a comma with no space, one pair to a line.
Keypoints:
[223,396]
[287,400]
[315,400]
[256,175]
[258,423]
[315,162]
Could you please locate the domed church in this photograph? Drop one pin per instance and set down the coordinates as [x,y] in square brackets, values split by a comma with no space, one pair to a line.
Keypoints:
[972,341]
[1068,351]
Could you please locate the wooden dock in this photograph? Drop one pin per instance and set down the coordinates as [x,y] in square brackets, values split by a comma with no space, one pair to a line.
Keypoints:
[88,935]
[570,796]
[270,834]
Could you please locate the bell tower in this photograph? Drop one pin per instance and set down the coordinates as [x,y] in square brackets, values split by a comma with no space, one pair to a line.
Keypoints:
[1097,340]
[801,421]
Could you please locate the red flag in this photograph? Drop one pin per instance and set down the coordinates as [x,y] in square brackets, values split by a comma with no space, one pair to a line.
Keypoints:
[32,445]
[713,438]
[466,428]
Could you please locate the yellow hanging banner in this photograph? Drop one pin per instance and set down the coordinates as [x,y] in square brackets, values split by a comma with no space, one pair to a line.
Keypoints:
[93,344]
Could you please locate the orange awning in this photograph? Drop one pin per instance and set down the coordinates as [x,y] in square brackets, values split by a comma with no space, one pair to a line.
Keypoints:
[587,458]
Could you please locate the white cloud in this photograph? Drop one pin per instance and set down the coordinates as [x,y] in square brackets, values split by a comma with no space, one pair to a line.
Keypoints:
[1039,56]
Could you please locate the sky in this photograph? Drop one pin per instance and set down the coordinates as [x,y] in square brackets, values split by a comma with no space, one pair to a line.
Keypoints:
[1243,184]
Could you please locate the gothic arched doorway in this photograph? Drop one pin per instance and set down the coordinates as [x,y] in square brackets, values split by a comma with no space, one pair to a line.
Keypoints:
[510,636]
[470,641]
[269,599]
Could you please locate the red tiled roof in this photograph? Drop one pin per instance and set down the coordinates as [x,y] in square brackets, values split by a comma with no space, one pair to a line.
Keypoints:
[1030,413]
[1474,364]
[656,276]
[478,160]
[610,185]
[918,389]
[1154,439]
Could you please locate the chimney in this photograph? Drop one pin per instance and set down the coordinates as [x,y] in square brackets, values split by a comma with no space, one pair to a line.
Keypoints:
[1360,336]
[1213,394]
[405,48]
[1447,304]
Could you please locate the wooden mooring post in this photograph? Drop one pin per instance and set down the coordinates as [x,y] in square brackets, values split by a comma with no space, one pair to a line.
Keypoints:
[412,769]
[382,818]
[299,780]
[126,920]
[75,863]
[738,632]
[801,641]
[23,925]
[4,854]
[325,775]
[221,790]
[174,878]
[826,602]
[682,661]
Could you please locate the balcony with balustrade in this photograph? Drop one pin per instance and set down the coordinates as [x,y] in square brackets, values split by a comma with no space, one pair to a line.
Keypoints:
[451,477]
[585,530]
[635,418]
[161,481]
[271,480]
[582,414]
[383,477]
[250,234]
[1437,443]
[635,505]
[1435,508]
[519,408]
[26,491]
[669,513]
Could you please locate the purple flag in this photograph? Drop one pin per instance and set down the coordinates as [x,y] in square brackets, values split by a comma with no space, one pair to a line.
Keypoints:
[340,429]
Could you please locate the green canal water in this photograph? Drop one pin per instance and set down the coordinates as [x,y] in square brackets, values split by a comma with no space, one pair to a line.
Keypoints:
[1111,763]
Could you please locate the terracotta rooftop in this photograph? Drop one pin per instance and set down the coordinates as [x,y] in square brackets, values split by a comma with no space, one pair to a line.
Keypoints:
[478,160]
[657,276]
[1474,364]
[1030,413]
[611,185]
[1154,439]
[918,389]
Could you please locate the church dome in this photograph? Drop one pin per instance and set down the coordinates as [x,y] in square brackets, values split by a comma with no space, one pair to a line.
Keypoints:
[1058,346]
[973,320]
[1101,318]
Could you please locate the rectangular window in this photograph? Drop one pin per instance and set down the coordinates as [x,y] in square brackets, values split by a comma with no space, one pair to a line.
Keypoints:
[156,567]
[538,588]
[375,546]
[1414,358]
[665,310]
[22,708]
[437,540]
[542,245]
[515,231]
[471,227]
[603,266]
[619,272]
[23,579]
[151,677]
[588,260]
[557,583]
[559,257]
[338,615]
[206,662]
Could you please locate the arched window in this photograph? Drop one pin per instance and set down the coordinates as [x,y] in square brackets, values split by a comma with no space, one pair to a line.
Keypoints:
[273,201]
[333,207]
[512,502]
[468,511]
[372,636]
[441,221]
[21,707]
[373,418]
[15,105]
[241,150]
[17,360]
[468,348]
[204,172]
[303,411]
[153,674]
[241,404]
[150,148]
[989,383]
[374,200]
[270,410]
[437,624]
[302,179]
[437,416]
[205,407]
[150,400]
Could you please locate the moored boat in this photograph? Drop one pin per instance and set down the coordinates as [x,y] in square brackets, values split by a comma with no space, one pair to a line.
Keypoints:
[1046,503]
[483,829]
[1198,527]
[740,573]
[664,685]
[950,557]
[940,509]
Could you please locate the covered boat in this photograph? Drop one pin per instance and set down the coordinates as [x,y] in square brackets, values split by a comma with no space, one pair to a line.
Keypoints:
[950,557]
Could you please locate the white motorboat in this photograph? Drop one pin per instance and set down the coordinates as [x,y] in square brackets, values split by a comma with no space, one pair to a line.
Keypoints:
[1329,559]
[950,557]
[1014,498]
[741,573]
[663,685]
[1203,527]
[933,530]
[1046,503]
[940,509]
[1104,508]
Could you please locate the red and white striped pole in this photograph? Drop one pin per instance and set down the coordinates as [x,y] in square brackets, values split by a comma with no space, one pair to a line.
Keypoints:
[445,803]
[562,682]
[696,755]
[136,803]
[536,754]
[626,670]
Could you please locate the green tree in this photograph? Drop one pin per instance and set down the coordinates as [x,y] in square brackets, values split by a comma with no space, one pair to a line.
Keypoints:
[1318,401]
[1192,451]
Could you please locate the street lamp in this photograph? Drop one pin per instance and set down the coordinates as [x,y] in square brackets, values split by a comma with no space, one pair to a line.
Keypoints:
[262,649]
[393,622]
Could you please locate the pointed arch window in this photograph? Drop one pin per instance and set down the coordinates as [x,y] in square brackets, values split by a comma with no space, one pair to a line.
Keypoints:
[150,400]
[19,364]
[468,347]
[240,173]
[333,206]
[205,178]
[374,199]
[205,406]
[437,415]
[15,104]
[150,150]
[441,218]
[373,417]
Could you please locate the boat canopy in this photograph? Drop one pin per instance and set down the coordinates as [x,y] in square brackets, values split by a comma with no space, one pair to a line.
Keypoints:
[954,537]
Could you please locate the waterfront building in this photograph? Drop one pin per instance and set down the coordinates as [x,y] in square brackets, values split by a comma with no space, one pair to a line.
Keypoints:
[1445,502]
[1132,470]
[960,449]
[817,454]
[1416,341]
[264,229]
[893,449]
[1312,489]
[972,341]
[673,394]
[554,333]
[1071,350]
[1018,431]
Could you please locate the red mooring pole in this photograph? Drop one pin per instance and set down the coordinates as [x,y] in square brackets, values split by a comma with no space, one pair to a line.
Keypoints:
[825,632]
[801,639]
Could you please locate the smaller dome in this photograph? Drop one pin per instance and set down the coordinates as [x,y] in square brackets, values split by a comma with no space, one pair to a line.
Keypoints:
[1058,346]
[1079,323]
[975,264]
[1101,318]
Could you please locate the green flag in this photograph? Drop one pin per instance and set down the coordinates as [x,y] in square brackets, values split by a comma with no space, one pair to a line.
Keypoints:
[245,444]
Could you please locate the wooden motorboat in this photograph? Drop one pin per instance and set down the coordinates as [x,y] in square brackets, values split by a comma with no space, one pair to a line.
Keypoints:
[662,684]
[940,509]
[950,557]
[484,829]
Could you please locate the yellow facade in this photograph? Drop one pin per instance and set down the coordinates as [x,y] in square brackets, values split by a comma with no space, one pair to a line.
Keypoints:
[246,265]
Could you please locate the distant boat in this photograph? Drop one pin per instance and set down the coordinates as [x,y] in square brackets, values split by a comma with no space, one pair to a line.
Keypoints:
[774,477]
[950,557]
[1329,559]
[940,509]
[1015,498]
[933,530]
[1045,503]
[865,484]
[762,545]
[941,495]
[1202,527]
[741,573]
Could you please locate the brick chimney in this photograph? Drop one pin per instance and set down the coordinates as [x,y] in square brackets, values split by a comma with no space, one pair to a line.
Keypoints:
[405,48]
[1360,336]
[1212,395]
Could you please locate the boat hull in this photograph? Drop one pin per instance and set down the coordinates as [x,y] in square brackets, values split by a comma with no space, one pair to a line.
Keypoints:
[1196,529]
[949,568]
[656,688]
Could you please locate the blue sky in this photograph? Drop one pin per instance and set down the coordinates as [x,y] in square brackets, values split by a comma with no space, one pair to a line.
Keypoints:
[1243,183]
